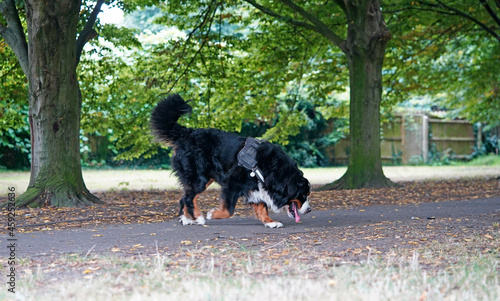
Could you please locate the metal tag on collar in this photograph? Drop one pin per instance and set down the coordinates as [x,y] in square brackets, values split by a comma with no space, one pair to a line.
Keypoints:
[256,172]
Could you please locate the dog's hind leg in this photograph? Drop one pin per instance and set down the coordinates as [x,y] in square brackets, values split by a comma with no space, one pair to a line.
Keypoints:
[262,214]
[187,215]
[189,206]
[192,213]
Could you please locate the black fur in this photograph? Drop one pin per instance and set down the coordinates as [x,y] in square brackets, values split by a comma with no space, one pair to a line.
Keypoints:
[204,154]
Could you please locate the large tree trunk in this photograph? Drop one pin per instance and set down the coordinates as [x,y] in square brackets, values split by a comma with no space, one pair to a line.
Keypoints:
[367,38]
[55,107]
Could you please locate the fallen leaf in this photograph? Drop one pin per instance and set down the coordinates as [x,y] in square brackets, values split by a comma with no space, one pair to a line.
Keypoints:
[488,236]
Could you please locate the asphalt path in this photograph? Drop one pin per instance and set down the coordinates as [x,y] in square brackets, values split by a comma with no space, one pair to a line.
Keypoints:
[170,235]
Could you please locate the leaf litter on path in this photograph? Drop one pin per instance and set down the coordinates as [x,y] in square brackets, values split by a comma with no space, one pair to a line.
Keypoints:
[151,206]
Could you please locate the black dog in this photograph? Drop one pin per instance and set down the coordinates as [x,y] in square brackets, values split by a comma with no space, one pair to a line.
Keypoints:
[256,170]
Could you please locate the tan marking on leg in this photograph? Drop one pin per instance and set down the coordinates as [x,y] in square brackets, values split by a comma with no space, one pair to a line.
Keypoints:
[262,213]
[196,209]
[221,212]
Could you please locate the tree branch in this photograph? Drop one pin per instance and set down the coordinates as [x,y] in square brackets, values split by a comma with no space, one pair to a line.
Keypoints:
[341,4]
[288,20]
[490,11]
[13,33]
[88,33]
[321,27]
[316,25]
[208,17]
[466,16]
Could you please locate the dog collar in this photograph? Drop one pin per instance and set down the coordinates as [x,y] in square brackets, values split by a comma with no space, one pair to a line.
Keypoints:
[247,157]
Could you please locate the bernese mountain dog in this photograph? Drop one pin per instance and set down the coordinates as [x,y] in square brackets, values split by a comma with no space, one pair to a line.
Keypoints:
[256,170]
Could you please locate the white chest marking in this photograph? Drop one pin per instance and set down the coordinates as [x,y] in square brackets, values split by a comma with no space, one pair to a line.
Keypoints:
[261,195]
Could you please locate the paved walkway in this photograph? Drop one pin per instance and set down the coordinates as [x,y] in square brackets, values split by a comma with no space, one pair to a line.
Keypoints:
[169,235]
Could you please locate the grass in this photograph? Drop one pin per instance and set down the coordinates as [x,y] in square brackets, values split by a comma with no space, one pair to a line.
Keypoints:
[123,179]
[233,272]
[488,160]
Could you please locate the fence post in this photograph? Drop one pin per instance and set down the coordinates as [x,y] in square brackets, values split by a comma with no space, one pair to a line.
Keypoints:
[479,135]
[425,138]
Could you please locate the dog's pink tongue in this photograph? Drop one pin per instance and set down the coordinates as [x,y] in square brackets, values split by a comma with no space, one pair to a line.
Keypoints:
[297,217]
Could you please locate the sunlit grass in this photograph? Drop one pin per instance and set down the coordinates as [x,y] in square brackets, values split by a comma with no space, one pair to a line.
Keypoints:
[488,160]
[126,179]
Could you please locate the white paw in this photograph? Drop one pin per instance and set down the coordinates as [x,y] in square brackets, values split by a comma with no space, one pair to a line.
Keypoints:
[209,214]
[185,221]
[200,220]
[274,225]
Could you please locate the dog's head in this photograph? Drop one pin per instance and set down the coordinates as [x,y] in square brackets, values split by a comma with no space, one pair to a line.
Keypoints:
[284,181]
[298,199]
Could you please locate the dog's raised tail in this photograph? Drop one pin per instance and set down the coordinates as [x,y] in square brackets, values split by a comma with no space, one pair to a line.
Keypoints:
[165,116]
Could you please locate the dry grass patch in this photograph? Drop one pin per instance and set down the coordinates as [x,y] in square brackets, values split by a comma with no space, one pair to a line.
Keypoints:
[231,271]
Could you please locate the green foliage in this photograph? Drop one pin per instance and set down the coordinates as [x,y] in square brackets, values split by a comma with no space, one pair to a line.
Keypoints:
[13,87]
[233,75]
[246,71]
[14,127]
[309,148]
[445,50]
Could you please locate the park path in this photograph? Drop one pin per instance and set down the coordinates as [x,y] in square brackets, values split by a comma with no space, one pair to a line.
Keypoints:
[380,227]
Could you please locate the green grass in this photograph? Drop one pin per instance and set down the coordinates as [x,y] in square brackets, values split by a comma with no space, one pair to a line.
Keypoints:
[128,179]
[231,272]
[489,160]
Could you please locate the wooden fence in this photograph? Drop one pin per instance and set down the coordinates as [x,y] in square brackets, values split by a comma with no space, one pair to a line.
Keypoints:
[413,139]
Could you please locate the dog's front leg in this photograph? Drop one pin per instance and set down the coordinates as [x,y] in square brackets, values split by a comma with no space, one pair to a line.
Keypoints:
[262,214]
[227,204]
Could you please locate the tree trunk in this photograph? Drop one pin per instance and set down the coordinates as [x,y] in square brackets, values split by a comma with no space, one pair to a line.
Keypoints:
[367,38]
[55,107]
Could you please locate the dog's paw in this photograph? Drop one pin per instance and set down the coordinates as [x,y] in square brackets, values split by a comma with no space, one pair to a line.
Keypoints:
[185,220]
[200,220]
[209,214]
[274,225]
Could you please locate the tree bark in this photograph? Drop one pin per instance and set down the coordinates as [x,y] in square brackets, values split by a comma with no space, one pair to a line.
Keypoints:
[365,45]
[55,107]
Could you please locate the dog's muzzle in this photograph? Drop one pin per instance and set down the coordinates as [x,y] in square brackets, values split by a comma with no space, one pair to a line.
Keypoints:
[306,208]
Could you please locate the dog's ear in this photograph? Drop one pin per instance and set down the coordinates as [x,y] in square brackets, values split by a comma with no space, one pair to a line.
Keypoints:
[294,191]
[304,187]
[281,193]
